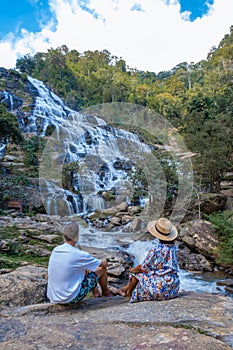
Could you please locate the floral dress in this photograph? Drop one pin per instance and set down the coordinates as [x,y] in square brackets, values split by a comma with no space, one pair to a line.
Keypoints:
[159,279]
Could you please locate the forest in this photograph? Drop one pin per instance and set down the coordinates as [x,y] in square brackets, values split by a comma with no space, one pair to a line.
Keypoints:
[197,98]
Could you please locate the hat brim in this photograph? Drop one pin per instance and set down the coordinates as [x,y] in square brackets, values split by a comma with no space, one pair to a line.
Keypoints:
[170,237]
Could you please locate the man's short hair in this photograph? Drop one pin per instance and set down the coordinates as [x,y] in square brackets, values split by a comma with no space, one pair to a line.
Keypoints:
[71,232]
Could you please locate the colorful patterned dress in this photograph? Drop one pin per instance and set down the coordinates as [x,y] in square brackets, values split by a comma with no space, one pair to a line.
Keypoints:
[159,279]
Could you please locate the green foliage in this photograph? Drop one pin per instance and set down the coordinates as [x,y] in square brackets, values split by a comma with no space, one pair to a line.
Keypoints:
[139,184]
[21,247]
[223,222]
[33,148]
[9,130]
[69,171]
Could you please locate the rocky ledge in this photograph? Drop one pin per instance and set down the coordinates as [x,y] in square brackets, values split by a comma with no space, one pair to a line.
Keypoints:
[191,321]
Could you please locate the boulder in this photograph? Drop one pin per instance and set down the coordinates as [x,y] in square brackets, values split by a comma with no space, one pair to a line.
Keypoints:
[193,261]
[23,286]
[199,236]
[115,220]
[212,202]
[122,207]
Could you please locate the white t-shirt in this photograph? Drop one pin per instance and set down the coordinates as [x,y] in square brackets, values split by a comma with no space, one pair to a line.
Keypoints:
[66,270]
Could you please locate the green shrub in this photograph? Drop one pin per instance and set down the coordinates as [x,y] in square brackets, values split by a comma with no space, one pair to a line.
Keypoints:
[223,222]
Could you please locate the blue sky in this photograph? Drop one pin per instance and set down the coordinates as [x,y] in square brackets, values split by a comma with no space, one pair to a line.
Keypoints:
[18,14]
[150,35]
[196,8]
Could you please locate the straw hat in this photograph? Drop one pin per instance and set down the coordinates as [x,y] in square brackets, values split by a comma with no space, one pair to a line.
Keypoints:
[162,229]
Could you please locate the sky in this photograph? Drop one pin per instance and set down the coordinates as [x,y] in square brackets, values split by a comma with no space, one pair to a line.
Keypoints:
[150,35]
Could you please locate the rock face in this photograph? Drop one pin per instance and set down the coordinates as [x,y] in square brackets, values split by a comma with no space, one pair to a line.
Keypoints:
[197,241]
[189,322]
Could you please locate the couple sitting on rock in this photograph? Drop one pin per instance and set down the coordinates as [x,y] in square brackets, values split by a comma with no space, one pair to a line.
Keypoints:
[73,273]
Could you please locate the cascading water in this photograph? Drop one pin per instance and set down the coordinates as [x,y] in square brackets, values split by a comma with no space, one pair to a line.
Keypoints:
[2,149]
[80,138]
[7,99]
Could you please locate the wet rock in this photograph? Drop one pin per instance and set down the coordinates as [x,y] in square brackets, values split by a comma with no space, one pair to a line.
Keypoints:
[191,261]
[127,218]
[108,227]
[110,211]
[228,284]
[115,220]
[134,210]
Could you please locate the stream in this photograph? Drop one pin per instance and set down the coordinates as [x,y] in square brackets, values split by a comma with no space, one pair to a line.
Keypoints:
[131,244]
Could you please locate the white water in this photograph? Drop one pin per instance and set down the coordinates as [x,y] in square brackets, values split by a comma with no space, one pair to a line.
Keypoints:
[99,149]
[2,150]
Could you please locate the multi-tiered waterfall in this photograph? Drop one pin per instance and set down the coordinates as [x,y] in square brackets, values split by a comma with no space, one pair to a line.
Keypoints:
[105,154]
[98,148]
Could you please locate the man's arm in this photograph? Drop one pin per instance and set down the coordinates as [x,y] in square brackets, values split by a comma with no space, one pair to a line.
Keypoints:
[103,264]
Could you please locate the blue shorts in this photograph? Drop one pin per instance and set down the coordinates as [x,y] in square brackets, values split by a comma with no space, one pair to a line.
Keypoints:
[88,283]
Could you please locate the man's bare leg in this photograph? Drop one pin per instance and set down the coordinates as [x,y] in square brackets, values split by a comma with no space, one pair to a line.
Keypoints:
[102,275]
[96,292]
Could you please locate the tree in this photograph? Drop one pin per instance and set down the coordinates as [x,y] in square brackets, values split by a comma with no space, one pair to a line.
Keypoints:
[209,134]
[9,127]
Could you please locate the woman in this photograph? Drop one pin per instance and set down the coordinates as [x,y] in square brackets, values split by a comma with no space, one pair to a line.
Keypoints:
[156,278]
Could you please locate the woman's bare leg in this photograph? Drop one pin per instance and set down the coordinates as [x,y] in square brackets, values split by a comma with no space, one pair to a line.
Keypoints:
[127,290]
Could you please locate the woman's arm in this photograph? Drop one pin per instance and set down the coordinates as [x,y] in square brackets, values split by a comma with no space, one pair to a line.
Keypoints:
[136,269]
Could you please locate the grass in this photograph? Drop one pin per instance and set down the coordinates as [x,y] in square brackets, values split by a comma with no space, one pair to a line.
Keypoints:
[20,247]
[14,261]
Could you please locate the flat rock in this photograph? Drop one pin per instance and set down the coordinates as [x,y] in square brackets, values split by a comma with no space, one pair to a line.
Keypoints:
[189,322]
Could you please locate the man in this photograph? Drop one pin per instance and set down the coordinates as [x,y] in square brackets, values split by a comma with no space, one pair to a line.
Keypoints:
[68,279]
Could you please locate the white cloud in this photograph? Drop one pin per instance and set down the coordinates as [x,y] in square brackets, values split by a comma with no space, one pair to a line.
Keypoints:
[186,15]
[154,39]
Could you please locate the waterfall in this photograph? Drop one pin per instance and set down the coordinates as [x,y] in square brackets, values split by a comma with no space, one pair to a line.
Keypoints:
[99,150]
[2,150]
[7,98]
